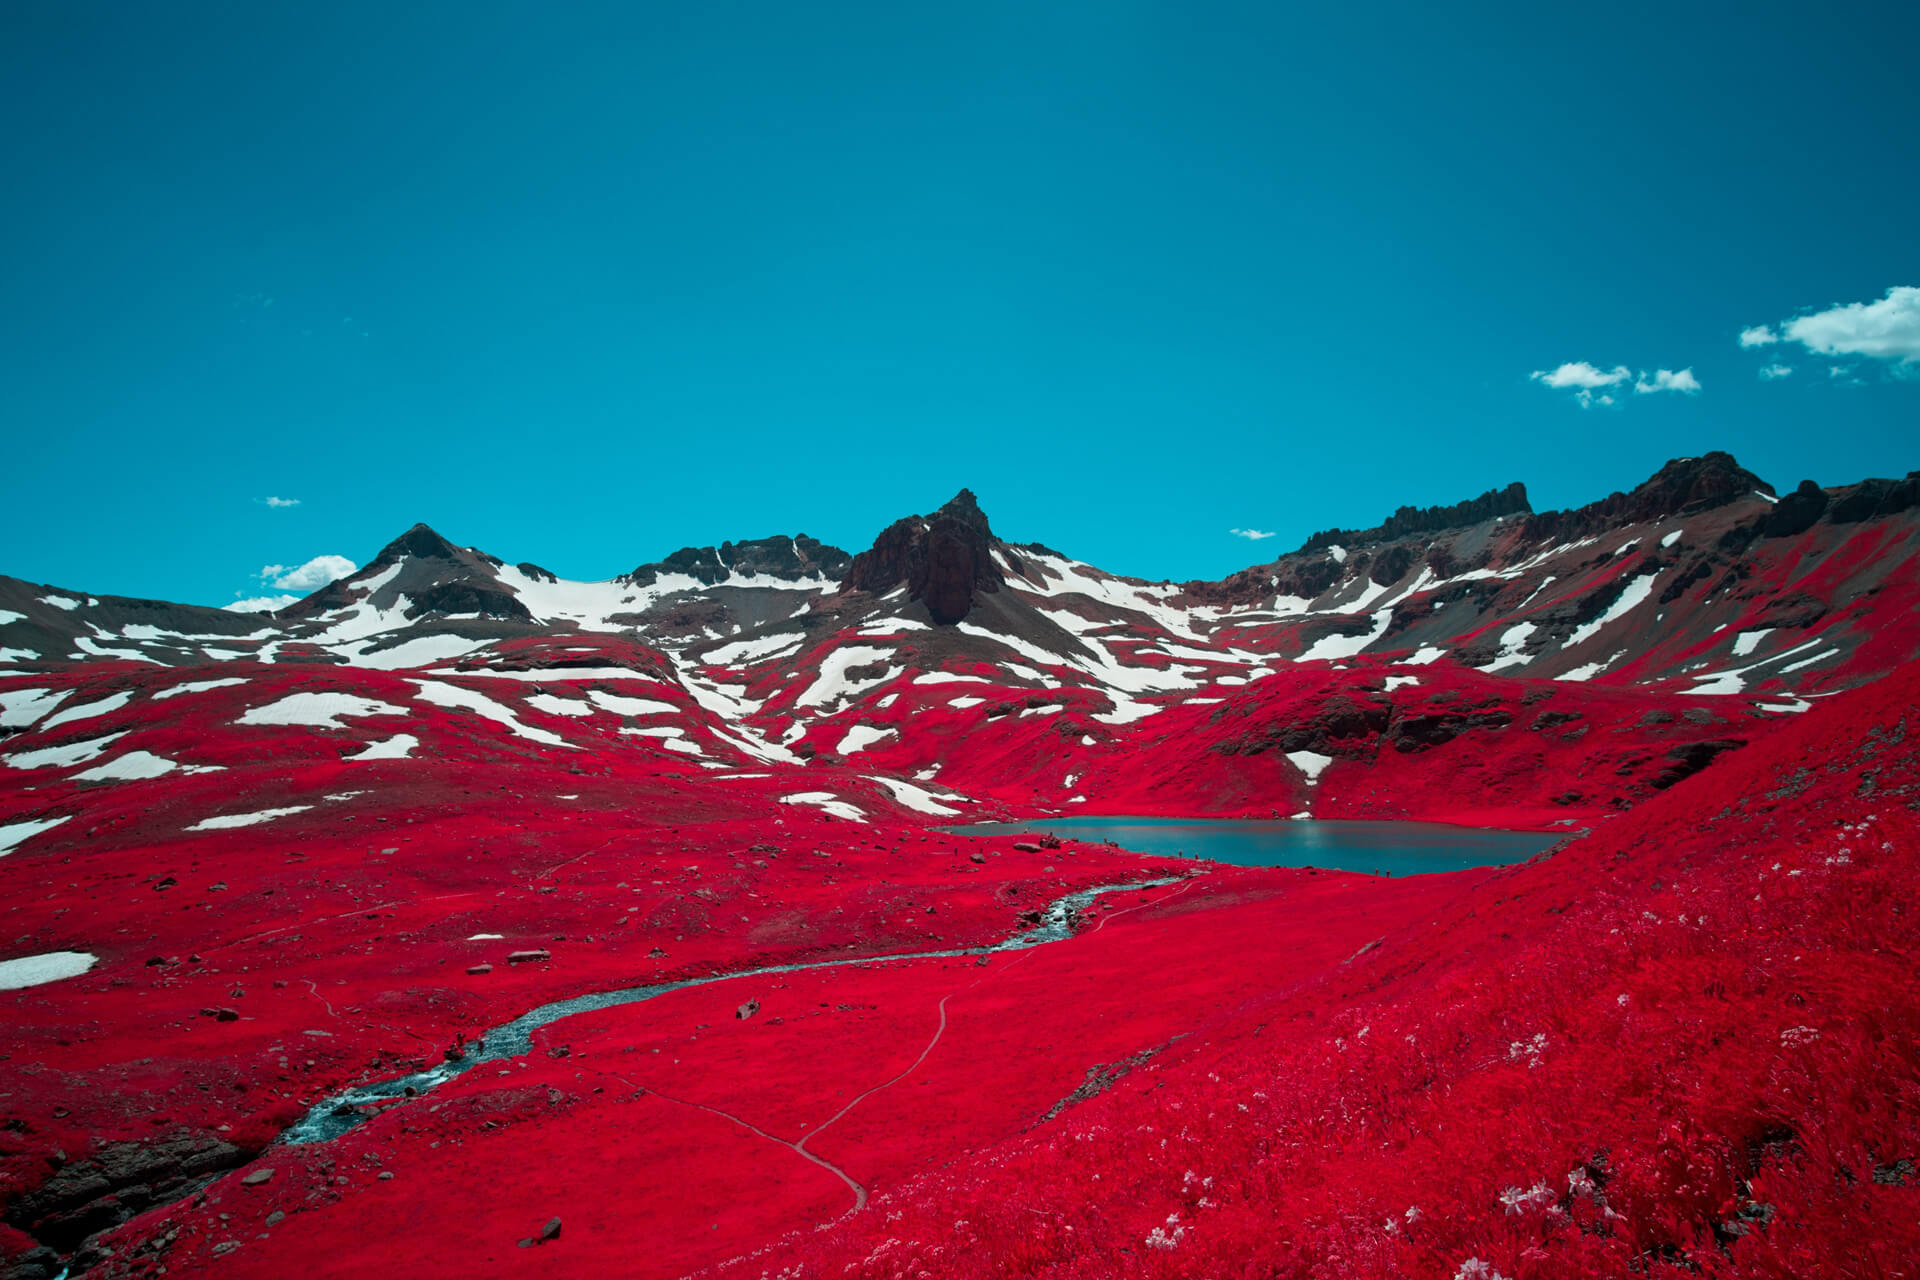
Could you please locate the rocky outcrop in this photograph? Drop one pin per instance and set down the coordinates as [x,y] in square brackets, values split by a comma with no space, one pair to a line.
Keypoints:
[1797,512]
[1690,758]
[945,560]
[794,559]
[1490,505]
[1343,726]
[117,1182]
[1871,498]
[419,542]
[1422,732]
[437,564]
[1682,487]
[468,596]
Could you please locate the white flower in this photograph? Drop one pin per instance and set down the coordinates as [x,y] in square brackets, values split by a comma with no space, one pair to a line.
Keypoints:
[1532,1200]
[1161,1240]
[1794,1037]
[1474,1269]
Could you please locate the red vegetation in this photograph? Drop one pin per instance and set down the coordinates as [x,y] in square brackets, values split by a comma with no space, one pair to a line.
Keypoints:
[1655,1052]
[1688,1044]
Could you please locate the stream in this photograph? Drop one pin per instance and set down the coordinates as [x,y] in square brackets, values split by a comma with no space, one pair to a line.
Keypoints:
[333,1116]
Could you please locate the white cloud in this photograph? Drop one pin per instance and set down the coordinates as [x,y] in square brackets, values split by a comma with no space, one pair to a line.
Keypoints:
[260,604]
[1759,335]
[1667,380]
[278,502]
[1774,372]
[311,576]
[1588,382]
[1885,330]
[1251,535]
[1578,373]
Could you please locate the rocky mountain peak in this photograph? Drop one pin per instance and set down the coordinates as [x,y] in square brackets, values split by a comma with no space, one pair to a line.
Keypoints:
[1693,484]
[944,559]
[793,558]
[420,542]
[1406,521]
[1682,487]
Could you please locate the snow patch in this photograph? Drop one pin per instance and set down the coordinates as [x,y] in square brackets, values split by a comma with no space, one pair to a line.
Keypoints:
[228,821]
[453,696]
[88,710]
[557,706]
[1310,763]
[862,736]
[133,767]
[1634,593]
[319,710]
[629,706]
[49,966]
[15,834]
[834,684]
[21,707]
[1330,647]
[398,747]
[67,753]
[912,797]
[748,650]
[197,686]
[828,801]
[1511,651]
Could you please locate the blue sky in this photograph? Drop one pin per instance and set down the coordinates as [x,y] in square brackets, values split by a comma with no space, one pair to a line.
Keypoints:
[583,284]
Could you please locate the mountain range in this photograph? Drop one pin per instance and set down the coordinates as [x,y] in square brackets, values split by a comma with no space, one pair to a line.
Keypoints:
[251,861]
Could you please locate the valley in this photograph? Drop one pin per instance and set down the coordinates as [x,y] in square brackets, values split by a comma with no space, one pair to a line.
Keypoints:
[282,889]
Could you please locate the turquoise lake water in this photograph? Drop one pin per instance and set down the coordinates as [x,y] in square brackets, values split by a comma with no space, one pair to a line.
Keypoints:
[1388,848]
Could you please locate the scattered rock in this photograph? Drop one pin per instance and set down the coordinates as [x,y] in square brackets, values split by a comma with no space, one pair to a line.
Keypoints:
[479,968]
[258,1177]
[1026,846]
[386,1175]
[525,957]
[747,1010]
[552,1230]
[221,1014]
[977,856]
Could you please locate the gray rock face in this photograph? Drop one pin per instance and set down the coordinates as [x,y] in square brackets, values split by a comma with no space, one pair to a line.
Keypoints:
[115,1183]
[945,560]
[794,559]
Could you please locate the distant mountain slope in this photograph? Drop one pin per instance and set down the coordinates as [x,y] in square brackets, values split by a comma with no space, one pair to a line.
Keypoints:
[1698,584]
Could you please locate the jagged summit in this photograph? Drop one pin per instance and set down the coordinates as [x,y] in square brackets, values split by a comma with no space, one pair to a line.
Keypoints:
[793,558]
[945,560]
[420,541]
[1490,505]
[1682,487]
